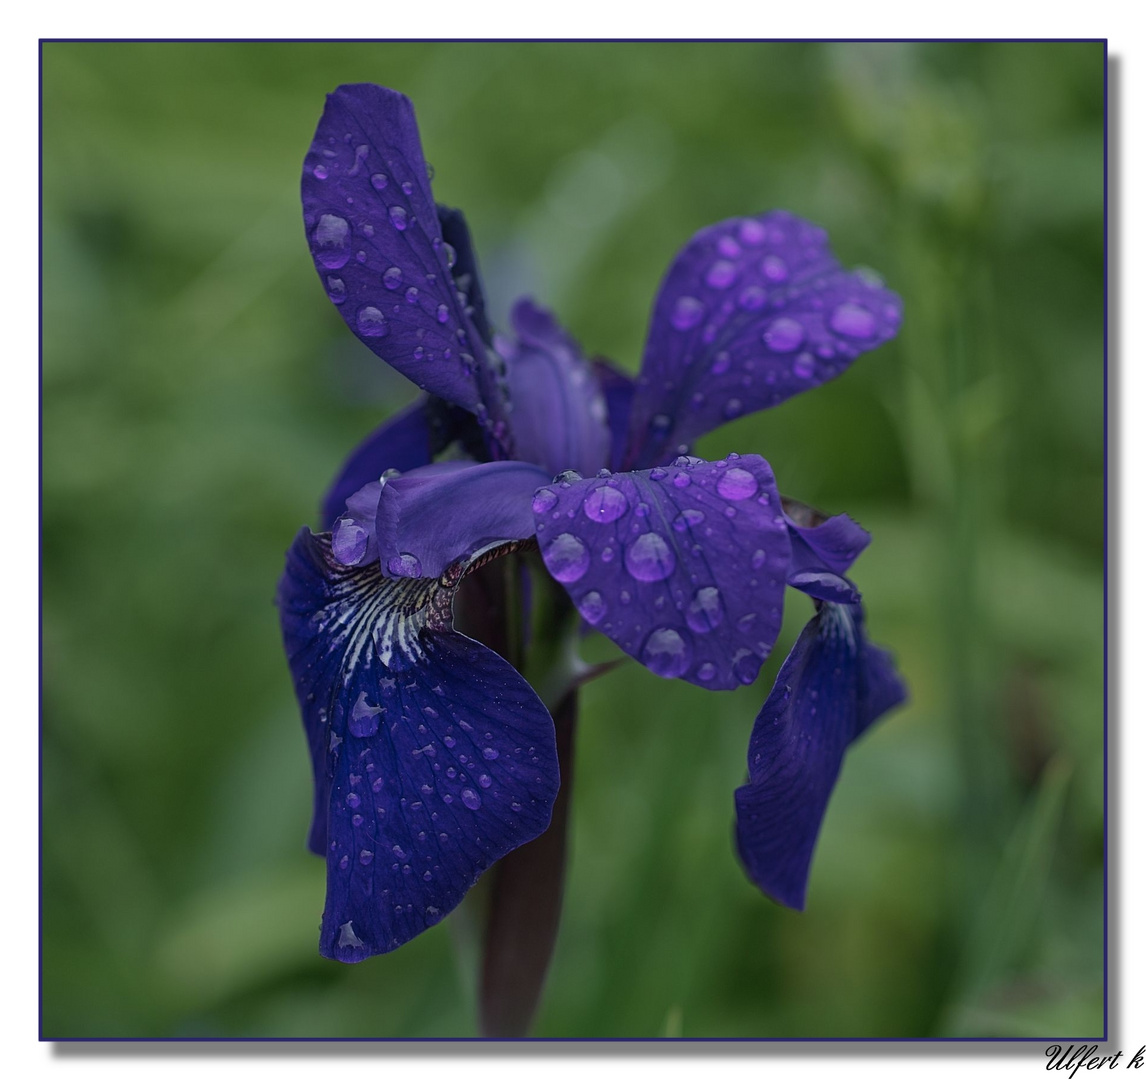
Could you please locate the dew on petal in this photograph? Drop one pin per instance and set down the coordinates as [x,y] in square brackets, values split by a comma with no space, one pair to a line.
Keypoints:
[392,279]
[853,321]
[443,313]
[752,233]
[604,504]
[398,217]
[687,312]
[774,268]
[330,241]
[471,798]
[405,565]
[544,501]
[705,611]
[379,181]
[372,323]
[720,274]
[687,518]
[804,366]
[649,558]
[336,289]
[784,335]
[737,484]
[666,653]
[567,558]
[752,298]
[592,607]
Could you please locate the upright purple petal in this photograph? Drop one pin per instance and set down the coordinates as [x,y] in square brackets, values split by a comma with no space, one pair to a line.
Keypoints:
[407,440]
[683,567]
[434,516]
[618,389]
[377,244]
[559,416]
[466,275]
[830,688]
[432,756]
[752,311]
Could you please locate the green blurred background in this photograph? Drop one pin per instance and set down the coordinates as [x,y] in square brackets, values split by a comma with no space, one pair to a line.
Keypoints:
[199,392]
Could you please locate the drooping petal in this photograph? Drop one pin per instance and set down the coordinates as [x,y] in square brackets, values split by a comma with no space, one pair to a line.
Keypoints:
[823,550]
[434,516]
[683,567]
[377,244]
[406,441]
[467,277]
[559,416]
[752,311]
[830,688]
[432,756]
[618,390]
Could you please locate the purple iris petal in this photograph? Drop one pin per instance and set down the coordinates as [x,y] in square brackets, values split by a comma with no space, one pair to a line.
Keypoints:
[377,244]
[559,416]
[683,566]
[752,311]
[466,275]
[431,517]
[823,550]
[618,390]
[432,756]
[353,540]
[830,688]
[405,441]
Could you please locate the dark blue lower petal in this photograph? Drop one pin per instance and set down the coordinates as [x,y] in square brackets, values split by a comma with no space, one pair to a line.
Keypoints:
[832,685]
[432,756]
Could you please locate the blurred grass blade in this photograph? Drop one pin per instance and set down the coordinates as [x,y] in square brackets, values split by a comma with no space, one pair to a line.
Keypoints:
[1009,914]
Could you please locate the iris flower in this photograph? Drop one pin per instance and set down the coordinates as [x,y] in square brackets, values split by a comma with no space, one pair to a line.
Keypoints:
[433,756]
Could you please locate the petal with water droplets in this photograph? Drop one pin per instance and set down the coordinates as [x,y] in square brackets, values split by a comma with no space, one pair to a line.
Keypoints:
[371,221]
[833,684]
[752,311]
[432,756]
[683,567]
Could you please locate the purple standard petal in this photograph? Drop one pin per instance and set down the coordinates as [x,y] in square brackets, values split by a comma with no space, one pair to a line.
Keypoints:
[406,441]
[432,756]
[434,516]
[752,311]
[683,567]
[618,390]
[830,688]
[559,418]
[464,267]
[377,244]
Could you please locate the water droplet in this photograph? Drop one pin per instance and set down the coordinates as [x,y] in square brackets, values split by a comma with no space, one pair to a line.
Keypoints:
[405,565]
[443,313]
[737,484]
[372,323]
[489,753]
[330,241]
[544,501]
[320,172]
[752,298]
[567,558]
[784,335]
[411,295]
[607,555]
[347,938]
[687,312]
[681,480]
[666,653]
[706,672]
[687,518]
[774,268]
[392,278]
[746,666]
[336,289]
[604,504]
[649,558]
[592,607]
[451,255]
[752,233]
[720,274]
[408,187]
[471,798]
[379,180]
[363,723]
[705,612]
[365,857]
[853,321]
[733,408]
[398,217]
